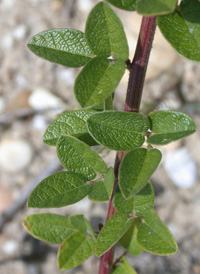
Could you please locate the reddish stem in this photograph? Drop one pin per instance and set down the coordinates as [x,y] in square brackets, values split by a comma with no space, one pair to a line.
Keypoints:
[138,69]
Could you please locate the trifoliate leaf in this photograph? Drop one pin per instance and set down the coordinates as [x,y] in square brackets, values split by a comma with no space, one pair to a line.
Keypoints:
[168,126]
[67,47]
[111,232]
[118,130]
[136,168]
[154,237]
[78,157]
[139,204]
[105,33]
[97,80]
[70,123]
[59,189]
[76,249]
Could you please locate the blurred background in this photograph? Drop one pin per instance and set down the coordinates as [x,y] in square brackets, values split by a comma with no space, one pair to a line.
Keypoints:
[33,91]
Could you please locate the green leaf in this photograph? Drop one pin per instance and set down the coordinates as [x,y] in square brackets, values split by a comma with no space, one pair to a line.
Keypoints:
[48,227]
[156,7]
[102,190]
[118,130]
[76,249]
[168,126]
[124,268]
[129,240]
[97,80]
[139,204]
[136,168]
[67,47]
[79,222]
[70,123]
[78,157]
[124,4]
[182,29]
[59,189]
[111,232]
[154,237]
[105,33]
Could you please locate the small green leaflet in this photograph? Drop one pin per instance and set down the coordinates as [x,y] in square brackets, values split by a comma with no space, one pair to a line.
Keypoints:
[81,223]
[111,232]
[105,33]
[67,47]
[155,7]
[154,237]
[118,130]
[168,126]
[139,204]
[124,4]
[48,227]
[70,123]
[124,268]
[182,29]
[129,240]
[97,80]
[76,249]
[59,189]
[78,157]
[102,190]
[136,168]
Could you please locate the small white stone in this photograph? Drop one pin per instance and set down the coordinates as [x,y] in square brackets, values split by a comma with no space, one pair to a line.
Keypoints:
[7,42]
[85,5]
[20,32]
[10,247]
[7,4]
[181,167]
[67,76]
[42,98]
[15,154]
[39,122]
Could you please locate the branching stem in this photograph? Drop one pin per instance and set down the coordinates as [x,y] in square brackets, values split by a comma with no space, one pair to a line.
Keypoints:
[138,69]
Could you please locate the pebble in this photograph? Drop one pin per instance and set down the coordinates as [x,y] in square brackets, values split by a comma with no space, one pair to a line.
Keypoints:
[20,32]
[181,167]
[67,77]
[2,104]
[85,5]
[10,247]
[15,154]
[7,4]
[42,98]
[7,42]
[39,122]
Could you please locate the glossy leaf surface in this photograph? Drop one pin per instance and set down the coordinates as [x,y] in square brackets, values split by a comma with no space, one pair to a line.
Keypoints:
[156,7]
[76,249]
[79,222]
[182,29]
[124,268]
[124,4]
[67,47]
[168,126]
[105,33]
[102,190]
[69,123]
[48,227]
[111,232]
[129,240]
[139,204]
[98,79]
[78,157]
[118,130]
[59,189]
[154,237]
[136,168]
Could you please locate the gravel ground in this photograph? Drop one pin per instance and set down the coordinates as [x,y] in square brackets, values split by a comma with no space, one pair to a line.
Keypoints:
[33,91]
